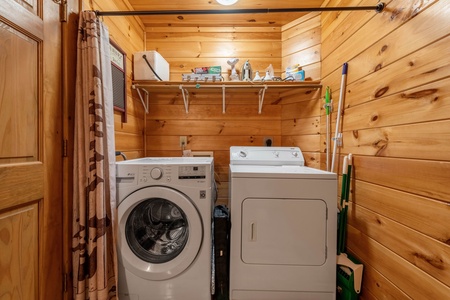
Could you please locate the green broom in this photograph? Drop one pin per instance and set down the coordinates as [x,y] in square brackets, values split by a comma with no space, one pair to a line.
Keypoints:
[349,270]
[343,206]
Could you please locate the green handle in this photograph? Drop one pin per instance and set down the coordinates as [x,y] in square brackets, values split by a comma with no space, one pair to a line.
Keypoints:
[327,100]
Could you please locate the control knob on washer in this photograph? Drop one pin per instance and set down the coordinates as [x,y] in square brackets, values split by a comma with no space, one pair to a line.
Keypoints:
[242,154]
[156,173]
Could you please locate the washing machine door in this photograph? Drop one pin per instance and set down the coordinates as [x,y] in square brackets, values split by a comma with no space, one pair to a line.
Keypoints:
[160,232]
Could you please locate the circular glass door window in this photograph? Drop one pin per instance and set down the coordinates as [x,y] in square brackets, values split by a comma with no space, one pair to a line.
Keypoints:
[157,230]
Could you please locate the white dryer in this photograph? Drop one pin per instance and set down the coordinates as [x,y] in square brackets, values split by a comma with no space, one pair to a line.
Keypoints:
[283,226]
[165,211]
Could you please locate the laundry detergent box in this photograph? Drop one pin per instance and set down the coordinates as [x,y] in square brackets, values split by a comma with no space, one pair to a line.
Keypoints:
[208,70]
[142,70]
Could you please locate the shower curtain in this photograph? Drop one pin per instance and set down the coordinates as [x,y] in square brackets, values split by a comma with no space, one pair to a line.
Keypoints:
[93,240]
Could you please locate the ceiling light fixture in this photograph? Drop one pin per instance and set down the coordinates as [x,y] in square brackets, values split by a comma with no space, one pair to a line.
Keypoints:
[227,2]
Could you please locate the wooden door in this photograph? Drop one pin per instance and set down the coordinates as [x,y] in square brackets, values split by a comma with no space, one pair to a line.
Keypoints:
[30,150]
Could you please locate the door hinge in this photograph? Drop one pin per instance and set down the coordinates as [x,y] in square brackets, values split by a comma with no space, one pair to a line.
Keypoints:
[64,148]
[62,10]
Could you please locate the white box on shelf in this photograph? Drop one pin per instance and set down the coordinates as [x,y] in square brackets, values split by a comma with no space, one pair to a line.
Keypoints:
[143,72]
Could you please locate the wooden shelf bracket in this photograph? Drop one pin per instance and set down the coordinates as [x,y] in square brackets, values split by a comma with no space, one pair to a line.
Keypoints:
[145,104]
[261,94]
[223,99]
[185,94]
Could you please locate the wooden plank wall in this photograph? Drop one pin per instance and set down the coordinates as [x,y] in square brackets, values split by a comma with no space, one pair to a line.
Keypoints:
[300,110]
[188,47]
[396,123]
[206,127]
[128,33]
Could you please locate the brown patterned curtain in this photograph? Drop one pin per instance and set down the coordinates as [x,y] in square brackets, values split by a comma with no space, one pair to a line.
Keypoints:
[93,241]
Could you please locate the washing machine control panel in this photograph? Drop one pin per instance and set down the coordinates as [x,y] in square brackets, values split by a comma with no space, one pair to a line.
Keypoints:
[169,173]
[192,172]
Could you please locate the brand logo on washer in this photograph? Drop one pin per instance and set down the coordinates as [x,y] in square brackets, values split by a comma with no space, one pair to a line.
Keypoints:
[202,194]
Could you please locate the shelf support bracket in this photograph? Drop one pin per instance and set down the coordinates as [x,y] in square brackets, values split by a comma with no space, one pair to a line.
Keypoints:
[185,94]
[261,94]
[223,99]
[145,104]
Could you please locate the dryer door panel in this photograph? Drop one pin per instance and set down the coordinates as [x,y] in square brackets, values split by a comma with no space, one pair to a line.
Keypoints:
[284,231]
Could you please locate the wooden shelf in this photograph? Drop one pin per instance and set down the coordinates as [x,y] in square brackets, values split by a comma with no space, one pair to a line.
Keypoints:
[223,87]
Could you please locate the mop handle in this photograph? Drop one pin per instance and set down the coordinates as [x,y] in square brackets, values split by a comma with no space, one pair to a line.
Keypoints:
[328,112]
[344,69]
[338,119]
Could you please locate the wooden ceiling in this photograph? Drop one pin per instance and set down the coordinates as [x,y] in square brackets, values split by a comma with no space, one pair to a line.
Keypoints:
[219,20]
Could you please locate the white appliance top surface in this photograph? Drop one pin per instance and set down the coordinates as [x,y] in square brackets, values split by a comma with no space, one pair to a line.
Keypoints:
[266,156]
[289,171]
[167,161]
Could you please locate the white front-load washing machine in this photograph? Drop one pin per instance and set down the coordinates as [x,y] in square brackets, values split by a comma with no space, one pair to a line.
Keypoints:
[165,211]
[283,226]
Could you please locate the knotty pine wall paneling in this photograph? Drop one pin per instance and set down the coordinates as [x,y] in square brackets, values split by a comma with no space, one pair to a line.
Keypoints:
[128,33]
[300,110]
[188,47]
[396,122]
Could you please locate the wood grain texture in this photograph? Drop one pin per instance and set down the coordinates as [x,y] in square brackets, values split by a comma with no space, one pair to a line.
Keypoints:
[300,114]
[19,232]
[395,123]
[51,208]
[406,174]
[405,242]
[421,141]
[424,66]
[407,277]
[396,14]
[409,209]
[241,20]
[18,119]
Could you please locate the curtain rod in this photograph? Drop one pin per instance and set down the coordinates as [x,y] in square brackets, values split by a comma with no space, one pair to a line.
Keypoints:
[378,8]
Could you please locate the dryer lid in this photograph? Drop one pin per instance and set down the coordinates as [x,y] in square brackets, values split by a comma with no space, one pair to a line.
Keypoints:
[284,172]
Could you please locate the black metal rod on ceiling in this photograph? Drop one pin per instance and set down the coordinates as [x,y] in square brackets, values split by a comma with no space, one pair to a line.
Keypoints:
[378,8]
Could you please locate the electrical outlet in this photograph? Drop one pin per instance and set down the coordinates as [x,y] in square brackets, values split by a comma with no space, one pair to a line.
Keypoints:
[268,141]
[183,141]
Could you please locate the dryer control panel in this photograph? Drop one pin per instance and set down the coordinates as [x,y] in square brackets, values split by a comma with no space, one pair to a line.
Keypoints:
[266,156]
